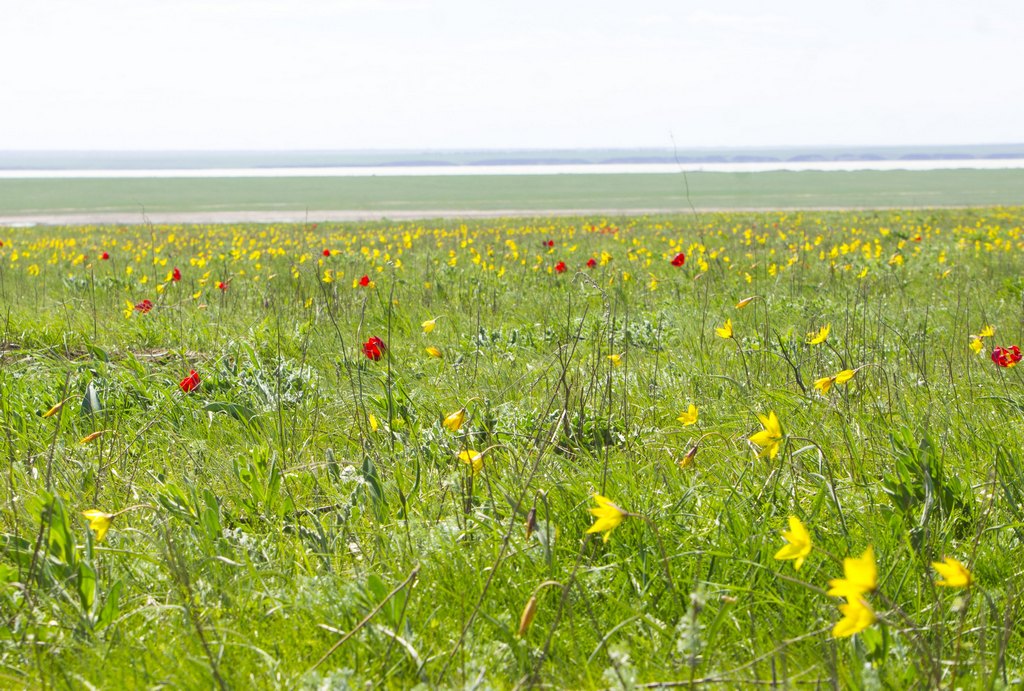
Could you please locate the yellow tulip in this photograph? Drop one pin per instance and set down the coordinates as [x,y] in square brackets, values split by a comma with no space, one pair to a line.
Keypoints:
[609,516]
[845,376]
[798,543]
[857,616]
[454,421]
[690,416]
[819,337]
[472,458]
[954,574]
[860,576]
[99,521]
[769,438]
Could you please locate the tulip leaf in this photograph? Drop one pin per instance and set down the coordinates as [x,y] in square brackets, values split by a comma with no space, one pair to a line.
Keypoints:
[111,606]
[91,400]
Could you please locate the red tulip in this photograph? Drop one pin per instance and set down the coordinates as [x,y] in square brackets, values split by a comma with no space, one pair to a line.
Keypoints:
[190,383]
[105,256]
[364,281]
[591,263]
[222,286]
[679,259]
[1006,357]
[560,267]
[550,243]
[327,252]
[176,275]
[144,306]
[374,348]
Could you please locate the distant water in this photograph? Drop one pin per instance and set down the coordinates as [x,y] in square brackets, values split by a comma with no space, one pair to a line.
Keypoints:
[527,169]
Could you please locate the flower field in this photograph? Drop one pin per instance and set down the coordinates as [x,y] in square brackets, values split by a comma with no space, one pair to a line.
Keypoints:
[716,450]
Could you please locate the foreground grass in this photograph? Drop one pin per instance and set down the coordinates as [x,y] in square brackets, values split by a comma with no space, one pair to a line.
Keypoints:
[302,517]
[865,189]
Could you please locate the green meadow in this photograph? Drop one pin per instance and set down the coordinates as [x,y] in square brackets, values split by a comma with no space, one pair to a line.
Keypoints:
[714,450]
[862,189]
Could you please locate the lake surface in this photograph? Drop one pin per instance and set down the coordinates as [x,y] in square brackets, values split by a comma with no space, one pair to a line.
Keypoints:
[525,169]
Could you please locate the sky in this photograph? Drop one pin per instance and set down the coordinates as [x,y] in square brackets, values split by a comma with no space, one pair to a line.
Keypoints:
[487,74]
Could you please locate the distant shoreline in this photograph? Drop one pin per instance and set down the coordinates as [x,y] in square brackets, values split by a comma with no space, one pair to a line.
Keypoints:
[521,169]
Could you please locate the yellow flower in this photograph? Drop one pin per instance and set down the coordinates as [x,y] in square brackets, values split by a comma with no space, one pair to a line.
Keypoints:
[769,438]
[988,332]
[725,331]
[860,576]
[615,359]
[819,337]
[798,543]
[609,516]
[473,458]
[99,521]
[954,574]
[824,384]
[455,420]
[434,351]
[690,416]
[90,437]
[745,301]
[686,460]
[429,325]
[526,618]
[977,345]
[55,409]
[857,616]
[374,425]
[845,376]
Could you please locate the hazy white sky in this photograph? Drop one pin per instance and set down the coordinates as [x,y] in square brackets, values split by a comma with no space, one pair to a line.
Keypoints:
[319,74]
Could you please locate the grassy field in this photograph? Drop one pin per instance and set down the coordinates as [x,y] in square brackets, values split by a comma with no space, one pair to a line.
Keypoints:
[866,189]
[377,455]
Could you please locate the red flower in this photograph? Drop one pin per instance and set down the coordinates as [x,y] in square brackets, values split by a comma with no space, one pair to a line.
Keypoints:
[591,263]
[1006,357]
[223,286]
[365,281]
[105,256]
[550,243]
[144,306]
[560,267]
[327,252]
[191,382]
[679,259]
[176,275]
[374,348]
